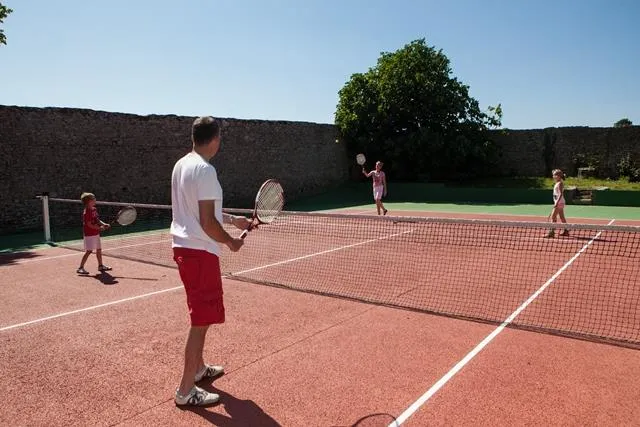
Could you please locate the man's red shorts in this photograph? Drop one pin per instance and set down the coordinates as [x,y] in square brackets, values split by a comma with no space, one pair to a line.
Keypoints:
[200,274]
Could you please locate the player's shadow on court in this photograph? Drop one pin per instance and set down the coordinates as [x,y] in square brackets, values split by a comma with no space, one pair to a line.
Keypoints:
[240,412]
[14,257]
[107,279]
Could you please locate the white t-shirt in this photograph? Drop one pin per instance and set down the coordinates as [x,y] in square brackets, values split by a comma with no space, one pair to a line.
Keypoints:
[193,178]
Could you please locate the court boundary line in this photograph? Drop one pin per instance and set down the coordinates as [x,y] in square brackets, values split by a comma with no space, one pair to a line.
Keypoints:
[224,276]
[81,251]
[407,413]
[81,310]
[489,215]
[326,251]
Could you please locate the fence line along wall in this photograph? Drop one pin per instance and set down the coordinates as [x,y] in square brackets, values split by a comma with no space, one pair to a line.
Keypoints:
[129,158]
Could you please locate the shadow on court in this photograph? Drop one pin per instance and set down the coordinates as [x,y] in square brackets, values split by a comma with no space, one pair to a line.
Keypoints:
[240,412]
[108,279]
[12,257]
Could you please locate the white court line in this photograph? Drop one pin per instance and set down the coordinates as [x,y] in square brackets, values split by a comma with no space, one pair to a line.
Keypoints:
[77,253]
[81,310]
[453,371]
[346,211]
[322,253]
[68,313]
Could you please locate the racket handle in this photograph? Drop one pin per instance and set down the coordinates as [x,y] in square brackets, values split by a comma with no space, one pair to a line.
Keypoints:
[245,232]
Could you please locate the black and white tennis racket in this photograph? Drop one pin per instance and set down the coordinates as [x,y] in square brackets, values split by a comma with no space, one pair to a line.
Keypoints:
[269,204]
[125,216]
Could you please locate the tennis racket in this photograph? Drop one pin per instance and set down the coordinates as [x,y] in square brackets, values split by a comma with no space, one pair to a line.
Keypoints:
[361,159]
[269,204]
[125,216]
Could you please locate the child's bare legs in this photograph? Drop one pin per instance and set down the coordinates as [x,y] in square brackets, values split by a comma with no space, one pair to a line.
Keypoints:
[81,269]
[563,220]
[558,212]
[84,258]
[101,266]
[378,203]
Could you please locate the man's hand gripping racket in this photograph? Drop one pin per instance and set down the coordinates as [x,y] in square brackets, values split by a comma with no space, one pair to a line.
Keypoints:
[269,204]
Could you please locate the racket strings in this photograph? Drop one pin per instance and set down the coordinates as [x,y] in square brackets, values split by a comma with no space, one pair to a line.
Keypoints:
[127,216]
[269,202]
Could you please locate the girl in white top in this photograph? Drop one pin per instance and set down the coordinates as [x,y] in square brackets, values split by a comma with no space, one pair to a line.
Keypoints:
[379,185]
[558,202]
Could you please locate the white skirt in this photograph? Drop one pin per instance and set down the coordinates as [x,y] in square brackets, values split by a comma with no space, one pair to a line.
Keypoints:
[377,192]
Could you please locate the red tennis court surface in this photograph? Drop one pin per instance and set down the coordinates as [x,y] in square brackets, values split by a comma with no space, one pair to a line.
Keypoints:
[107,350]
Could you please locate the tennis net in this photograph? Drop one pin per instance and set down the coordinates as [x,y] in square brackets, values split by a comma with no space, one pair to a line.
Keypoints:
[583,285]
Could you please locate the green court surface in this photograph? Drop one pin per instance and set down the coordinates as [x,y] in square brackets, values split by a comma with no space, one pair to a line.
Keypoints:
[576,211]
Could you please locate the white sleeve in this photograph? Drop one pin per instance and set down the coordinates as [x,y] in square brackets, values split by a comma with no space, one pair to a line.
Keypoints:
[207,185]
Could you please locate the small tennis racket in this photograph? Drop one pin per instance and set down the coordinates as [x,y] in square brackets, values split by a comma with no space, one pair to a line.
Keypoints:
[269,204]
[125,216]
[361,159]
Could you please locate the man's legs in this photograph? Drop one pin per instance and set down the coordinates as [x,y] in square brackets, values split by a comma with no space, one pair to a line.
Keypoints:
[200,274]
[193,360]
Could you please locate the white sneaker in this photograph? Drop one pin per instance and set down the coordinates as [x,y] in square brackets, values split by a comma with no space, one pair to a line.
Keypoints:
[196,397]
[209,371]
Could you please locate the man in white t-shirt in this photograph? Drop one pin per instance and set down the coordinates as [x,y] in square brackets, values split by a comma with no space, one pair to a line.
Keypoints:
[197,232]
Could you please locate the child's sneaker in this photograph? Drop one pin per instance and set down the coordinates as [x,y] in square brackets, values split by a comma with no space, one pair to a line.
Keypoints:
[384,212]
[104,268]
[565,233]
[550,235]
[209,371]
[81,270]
[196,397]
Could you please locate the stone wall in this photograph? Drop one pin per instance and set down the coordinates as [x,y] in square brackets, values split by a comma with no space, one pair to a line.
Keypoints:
[536,152]
[126,157]
[129,158]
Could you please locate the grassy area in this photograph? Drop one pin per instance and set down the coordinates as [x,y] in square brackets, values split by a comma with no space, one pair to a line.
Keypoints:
[547,183]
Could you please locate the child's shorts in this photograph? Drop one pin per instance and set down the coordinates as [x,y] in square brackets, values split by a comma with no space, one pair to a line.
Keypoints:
[92,243]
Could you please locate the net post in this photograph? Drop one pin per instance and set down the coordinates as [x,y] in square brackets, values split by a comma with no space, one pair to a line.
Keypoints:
[45,216]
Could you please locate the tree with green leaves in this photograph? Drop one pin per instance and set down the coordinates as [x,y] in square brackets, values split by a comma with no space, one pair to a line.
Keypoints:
[4,12]
[409,111]
[622,123]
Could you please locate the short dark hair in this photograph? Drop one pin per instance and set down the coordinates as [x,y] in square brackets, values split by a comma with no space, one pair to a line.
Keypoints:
[204,129]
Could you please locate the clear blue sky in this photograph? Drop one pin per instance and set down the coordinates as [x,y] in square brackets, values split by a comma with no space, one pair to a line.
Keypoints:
[550,63]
